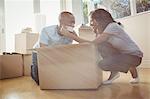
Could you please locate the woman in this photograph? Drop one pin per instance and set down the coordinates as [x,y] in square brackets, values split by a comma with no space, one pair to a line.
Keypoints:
[119,52]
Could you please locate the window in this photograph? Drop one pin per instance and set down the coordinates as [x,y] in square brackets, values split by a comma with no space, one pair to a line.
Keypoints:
[51,9]
[142,5]
[118,8]
[85,11]
[18,15]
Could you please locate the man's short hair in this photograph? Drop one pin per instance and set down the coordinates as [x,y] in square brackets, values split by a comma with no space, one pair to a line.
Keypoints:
[64,14]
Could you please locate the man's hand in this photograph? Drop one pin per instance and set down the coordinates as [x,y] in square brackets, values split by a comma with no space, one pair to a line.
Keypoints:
[43,45]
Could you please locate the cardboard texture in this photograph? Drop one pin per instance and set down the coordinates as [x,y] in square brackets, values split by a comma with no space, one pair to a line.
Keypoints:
[87,33]
[69,67]
[0,66]
[11,66]
[25,41]
[27,62]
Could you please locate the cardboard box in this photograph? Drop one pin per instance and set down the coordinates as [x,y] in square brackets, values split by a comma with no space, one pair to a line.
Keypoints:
[0,67]
[69,67]
[25,41]
[11,66]
[87,33]
[27,62]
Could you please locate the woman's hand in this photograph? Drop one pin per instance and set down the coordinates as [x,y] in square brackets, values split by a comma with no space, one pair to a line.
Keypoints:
[64,31]
[73,36]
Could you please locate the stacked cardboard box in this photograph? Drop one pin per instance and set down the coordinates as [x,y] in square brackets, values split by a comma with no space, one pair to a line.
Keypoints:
[27,62]
[25,41]
[11,66]
[0,67]
[69,67]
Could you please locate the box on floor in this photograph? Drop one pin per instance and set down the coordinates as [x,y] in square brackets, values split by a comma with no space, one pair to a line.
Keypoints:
[69,67]
[11,66]
[0,67]
[27,62]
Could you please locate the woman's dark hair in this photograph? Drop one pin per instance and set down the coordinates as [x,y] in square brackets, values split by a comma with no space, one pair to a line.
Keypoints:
[119,23]
[102,17]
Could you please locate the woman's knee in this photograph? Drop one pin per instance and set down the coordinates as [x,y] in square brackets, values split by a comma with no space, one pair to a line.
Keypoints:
[103,67]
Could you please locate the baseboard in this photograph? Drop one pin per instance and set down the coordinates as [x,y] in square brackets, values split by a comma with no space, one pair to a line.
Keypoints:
[145,64]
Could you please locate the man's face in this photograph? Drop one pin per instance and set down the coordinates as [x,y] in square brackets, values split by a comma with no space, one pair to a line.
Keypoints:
[68,21]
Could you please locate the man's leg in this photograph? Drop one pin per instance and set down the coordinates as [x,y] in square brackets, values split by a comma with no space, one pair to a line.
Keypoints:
[34,68]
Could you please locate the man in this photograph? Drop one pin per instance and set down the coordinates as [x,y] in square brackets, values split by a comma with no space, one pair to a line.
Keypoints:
[51,36]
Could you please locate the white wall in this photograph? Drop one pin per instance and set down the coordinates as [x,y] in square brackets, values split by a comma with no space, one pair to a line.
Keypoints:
[74,6]
[18,16]
[148,39]
[2,27]
[51,9]
[77,11]
[40,22]
[138,28]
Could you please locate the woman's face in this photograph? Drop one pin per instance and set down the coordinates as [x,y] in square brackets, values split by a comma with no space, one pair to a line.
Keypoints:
[95,26]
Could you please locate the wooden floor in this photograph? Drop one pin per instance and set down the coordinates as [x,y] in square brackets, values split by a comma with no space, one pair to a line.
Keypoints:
[25,88]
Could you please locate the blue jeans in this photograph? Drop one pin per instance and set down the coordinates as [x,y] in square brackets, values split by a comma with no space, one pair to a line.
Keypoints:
[34,68]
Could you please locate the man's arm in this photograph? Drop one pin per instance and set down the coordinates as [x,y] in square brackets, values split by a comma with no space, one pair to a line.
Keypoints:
[43,38]
[42,45]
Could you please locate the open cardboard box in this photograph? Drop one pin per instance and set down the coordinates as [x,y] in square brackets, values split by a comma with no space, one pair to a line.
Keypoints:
[69,67]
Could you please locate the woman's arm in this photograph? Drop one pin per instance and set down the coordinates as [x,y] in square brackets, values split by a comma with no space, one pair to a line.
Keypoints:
[43,45]
[76,38]
[101,38]
[72,36]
